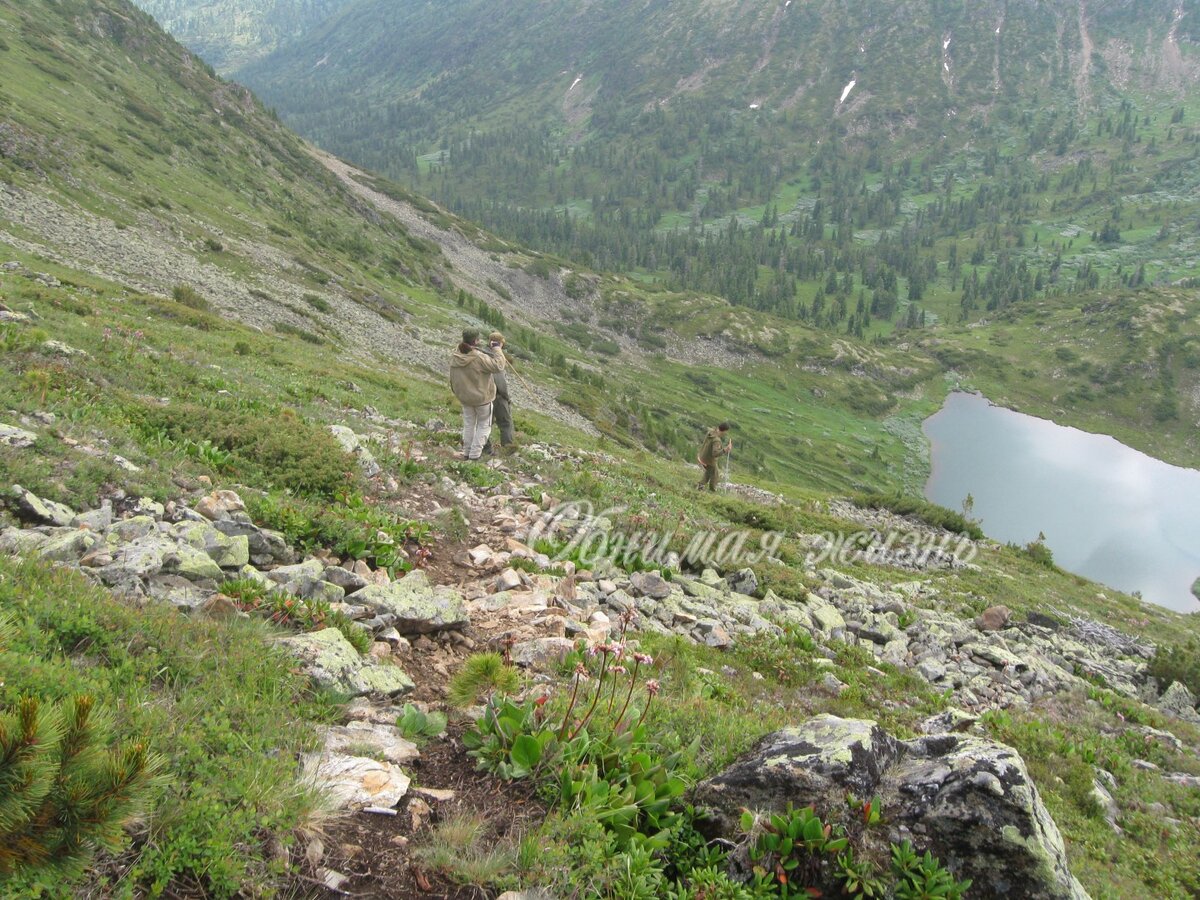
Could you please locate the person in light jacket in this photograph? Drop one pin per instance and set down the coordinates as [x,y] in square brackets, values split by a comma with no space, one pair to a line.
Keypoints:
[471,372]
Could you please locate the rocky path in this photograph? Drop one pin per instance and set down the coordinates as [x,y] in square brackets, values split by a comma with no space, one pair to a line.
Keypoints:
[491,588]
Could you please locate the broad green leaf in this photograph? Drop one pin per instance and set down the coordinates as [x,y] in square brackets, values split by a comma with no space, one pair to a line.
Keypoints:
[526,752]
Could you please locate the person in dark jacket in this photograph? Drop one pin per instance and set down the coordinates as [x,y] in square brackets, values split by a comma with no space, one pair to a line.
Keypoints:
[501,406]
[471,372]
[716,444]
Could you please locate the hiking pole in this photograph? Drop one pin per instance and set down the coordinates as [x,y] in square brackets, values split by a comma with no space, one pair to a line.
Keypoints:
[524,383]
[728,460]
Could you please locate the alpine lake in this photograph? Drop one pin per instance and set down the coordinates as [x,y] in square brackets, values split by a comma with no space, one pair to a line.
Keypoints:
[1106,511]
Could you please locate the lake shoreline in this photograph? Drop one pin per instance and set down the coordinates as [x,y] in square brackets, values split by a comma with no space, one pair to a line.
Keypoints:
[1107,511]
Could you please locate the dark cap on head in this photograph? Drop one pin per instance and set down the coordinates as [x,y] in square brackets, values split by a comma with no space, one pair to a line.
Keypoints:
[470,336]
[724,426]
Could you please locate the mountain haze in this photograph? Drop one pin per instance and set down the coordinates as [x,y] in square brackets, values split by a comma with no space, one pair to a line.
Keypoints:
[232,33]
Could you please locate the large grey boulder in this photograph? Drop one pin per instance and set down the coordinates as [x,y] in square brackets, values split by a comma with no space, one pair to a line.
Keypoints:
[19,542]
[139,558]
[743,581]
[227,552]
[95,519]
[266,546]
[17,438]
[134,528]
[310,568]
[179,591]
[414,606]
[650,584]
[348,581]
[541,654]
[31,508]
[68,545]
[968,800]
[191,563]
[1179,702]
[802,764]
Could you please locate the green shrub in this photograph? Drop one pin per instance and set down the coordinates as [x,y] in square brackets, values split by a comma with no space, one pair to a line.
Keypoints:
[188,296]
[64,794]
[318,303]
[796,854]
[1177,662]
[294,331]
[287,611]
[349,528]
[265,449]
[224,709]
[1039,552]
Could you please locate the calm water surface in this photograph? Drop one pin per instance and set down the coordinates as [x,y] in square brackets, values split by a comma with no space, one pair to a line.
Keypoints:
[1108,512]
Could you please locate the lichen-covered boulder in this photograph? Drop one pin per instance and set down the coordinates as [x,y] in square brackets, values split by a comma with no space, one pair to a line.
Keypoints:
[743,581]
[193,564]
[330,660]
[18,542]
[310,568]
[414,606]
[541,654]
[227,552]
[824,757]
[68,545]
[1179,702]
[31,508]
[966,799]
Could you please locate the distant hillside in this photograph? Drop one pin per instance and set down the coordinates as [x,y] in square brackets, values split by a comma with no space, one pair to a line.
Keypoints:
[869,165]
[231,33]
[126,159]
[598,68]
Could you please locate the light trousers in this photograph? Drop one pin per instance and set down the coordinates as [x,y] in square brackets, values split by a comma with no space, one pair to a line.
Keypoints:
[477,425]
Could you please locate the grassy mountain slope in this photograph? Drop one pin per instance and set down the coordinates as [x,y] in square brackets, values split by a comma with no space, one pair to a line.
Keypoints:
[160,176]
[1014,158]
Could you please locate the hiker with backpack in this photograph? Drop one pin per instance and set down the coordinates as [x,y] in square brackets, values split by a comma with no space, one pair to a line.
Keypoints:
[471,379]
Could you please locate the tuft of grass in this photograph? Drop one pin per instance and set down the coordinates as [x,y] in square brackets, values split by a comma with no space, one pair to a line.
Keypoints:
[456,848]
